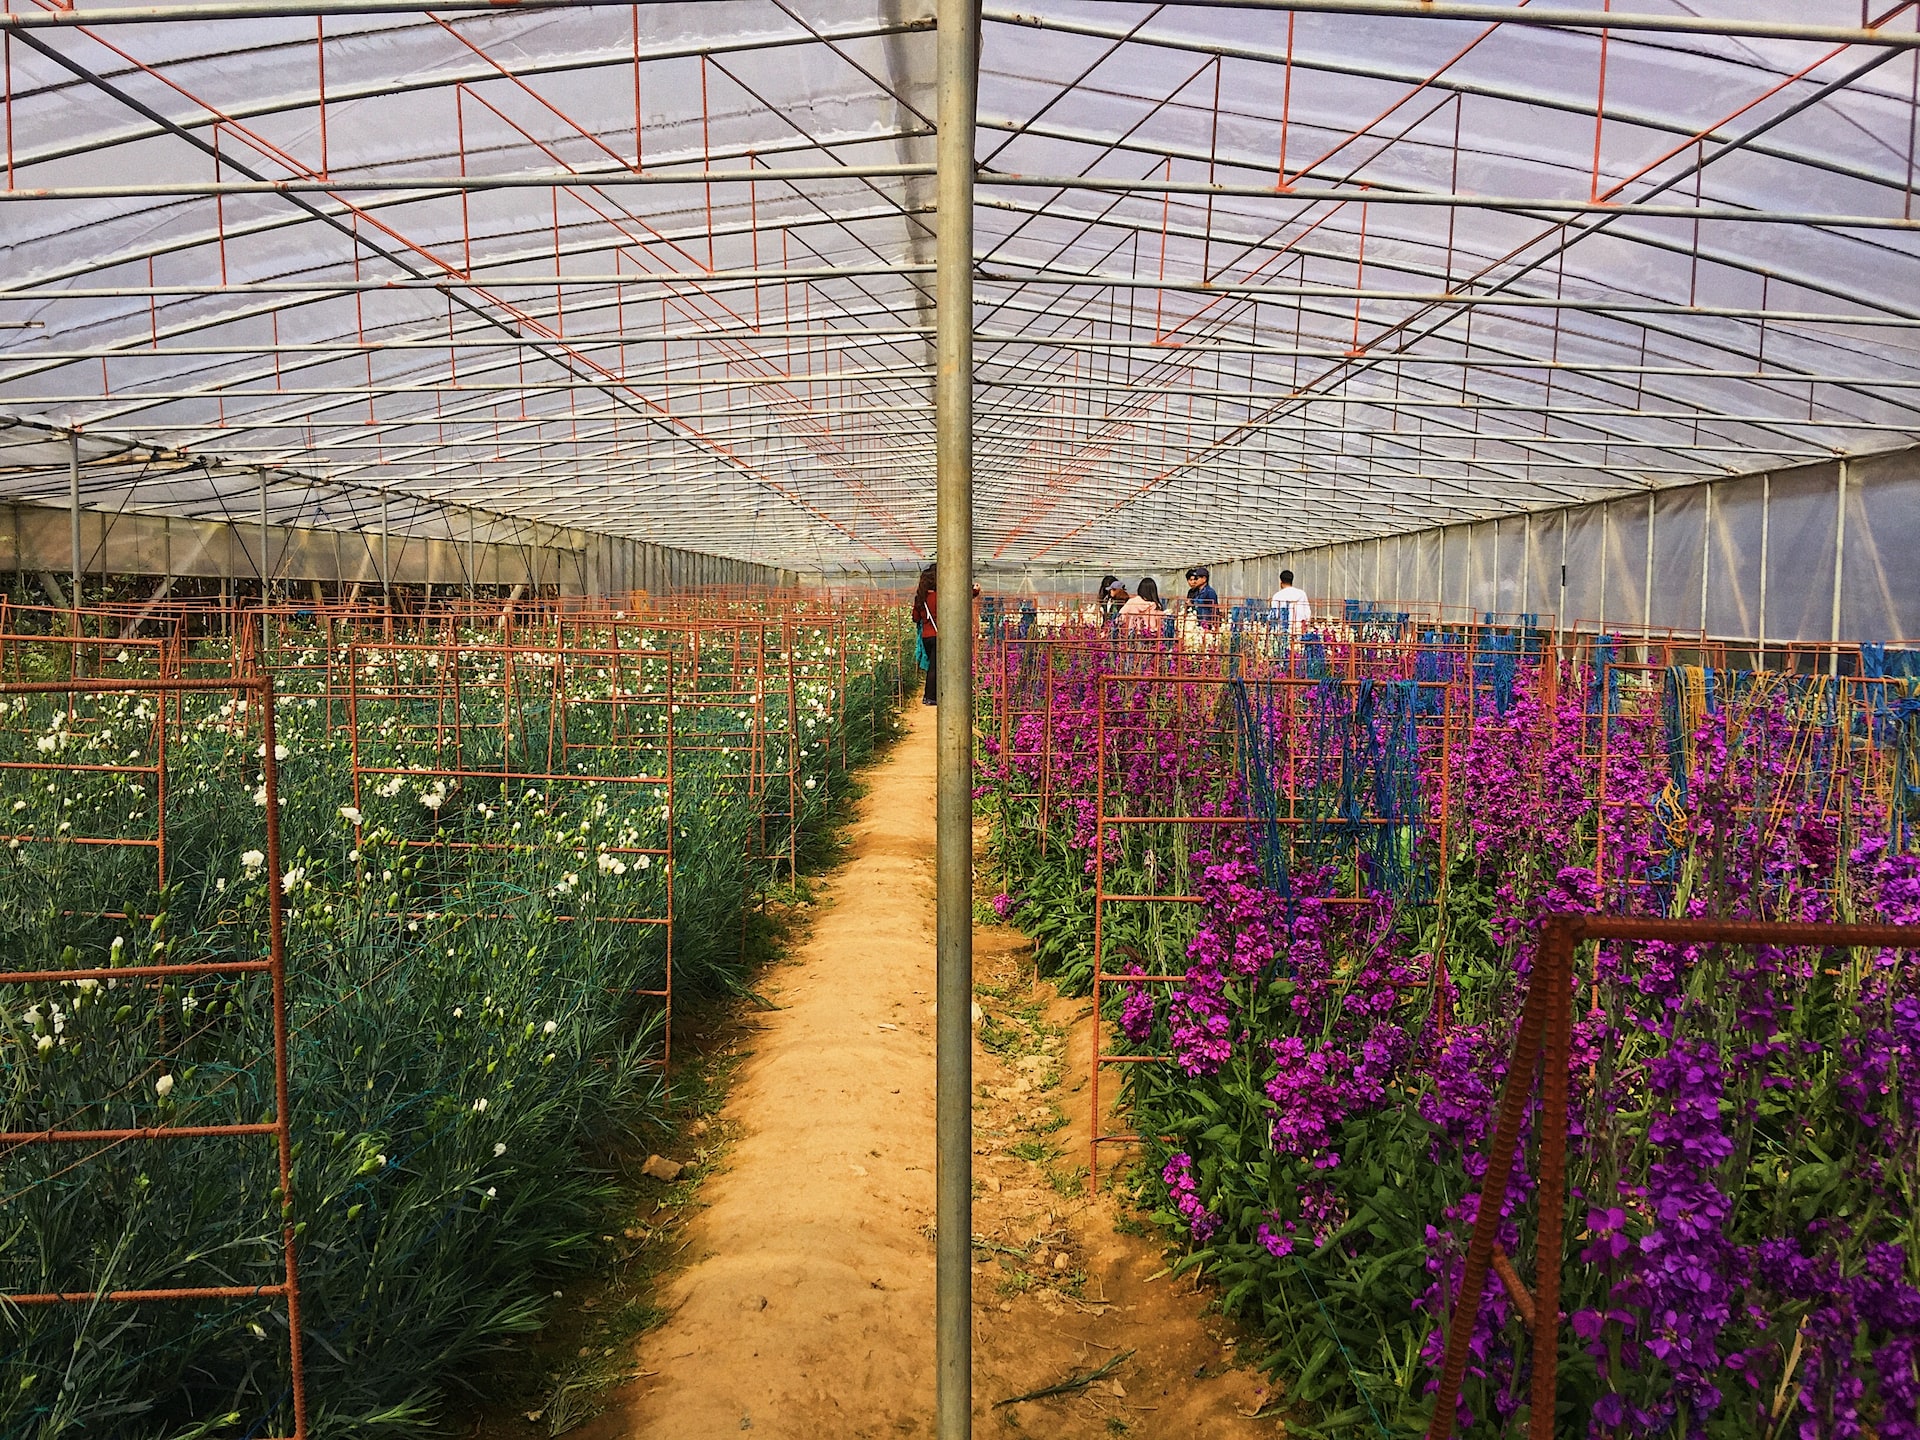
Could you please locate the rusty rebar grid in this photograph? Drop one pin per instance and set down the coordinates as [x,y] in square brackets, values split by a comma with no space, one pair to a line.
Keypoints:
[259,689]
[1544,1039]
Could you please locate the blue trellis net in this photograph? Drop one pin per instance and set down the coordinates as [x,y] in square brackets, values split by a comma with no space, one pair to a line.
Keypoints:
[1359,797]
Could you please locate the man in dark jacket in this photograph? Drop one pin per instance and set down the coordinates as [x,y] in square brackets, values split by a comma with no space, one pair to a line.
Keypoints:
[1201,599]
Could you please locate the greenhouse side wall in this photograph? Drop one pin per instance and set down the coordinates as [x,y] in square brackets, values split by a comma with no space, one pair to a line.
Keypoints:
[500,551]
[1818,553]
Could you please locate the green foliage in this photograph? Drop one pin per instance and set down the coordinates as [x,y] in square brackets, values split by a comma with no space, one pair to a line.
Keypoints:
[470,1023]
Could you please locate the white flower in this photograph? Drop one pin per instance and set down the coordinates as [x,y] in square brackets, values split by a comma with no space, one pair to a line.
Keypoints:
[549,1027]
[645,862]
[88,985]
[381,1160]
[292,878]
[458,1012]
[491,1192]
[221,884]
[260,797]
[480,1106]
[18,806]
[351,814]
[499,1148]
[253,860]
[280,752]
[45,1044]
[163,1087]
[810,782]
[46,743]
[121,658]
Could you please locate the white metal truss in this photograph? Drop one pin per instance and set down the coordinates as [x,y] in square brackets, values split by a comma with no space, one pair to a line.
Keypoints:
[1249,276]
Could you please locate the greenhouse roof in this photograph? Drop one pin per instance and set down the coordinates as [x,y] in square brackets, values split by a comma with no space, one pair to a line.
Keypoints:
[1248,276]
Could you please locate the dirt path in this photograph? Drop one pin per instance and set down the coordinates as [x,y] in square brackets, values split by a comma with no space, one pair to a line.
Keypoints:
[805,1308]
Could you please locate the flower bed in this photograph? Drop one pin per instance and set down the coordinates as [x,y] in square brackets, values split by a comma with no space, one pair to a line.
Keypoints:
[1745,1129]
[473,1015]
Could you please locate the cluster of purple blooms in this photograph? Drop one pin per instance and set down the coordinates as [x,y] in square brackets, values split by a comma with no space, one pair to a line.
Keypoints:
[1744,1126]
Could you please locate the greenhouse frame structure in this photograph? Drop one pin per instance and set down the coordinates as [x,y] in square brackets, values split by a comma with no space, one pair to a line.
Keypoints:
[1574,311]
[1252,282]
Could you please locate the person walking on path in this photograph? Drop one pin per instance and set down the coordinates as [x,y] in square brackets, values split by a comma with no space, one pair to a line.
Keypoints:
[1291,608]
[926,621]
[1202,599]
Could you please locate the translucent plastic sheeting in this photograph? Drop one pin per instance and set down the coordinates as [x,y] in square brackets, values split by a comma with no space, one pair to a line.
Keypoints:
[1802,518]
[1748,559]
[1679,557]
[1880,593]
[1627,534]
[1735,554]
[1248,280]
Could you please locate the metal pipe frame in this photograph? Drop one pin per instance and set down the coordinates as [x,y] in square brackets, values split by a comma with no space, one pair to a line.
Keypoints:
[1354,273]
[1545,1039]
[958,68]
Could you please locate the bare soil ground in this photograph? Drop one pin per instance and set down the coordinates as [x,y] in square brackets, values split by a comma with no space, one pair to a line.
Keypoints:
[800,1303]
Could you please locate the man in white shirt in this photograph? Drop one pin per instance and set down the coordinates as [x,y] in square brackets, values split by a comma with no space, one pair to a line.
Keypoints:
[1291,608]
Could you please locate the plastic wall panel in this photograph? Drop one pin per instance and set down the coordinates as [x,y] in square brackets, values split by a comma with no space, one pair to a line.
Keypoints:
[1585,558]
[1478,581]
[1543,563]
[1803,517]
[1733,560]
[1880,587]
[1453,578]
[36,537]
[1679,559]
[1626,561]
[1510,574]
[1426,565]
[1396,566]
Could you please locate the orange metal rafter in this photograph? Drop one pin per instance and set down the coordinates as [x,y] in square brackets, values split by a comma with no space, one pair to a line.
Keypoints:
[1049,497]
[518,318]
[869,502]
[1231,438]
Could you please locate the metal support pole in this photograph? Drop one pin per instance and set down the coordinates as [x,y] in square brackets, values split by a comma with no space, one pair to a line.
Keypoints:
[386,568]
[958,69]
[1766,521]
[266,565]
[1839,565]
[73,519]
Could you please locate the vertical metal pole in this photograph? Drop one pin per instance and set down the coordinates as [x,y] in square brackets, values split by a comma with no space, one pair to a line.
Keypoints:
[386,569]
[266,565]
[1706,567]
[73,518]
[958,69]
[1839,566]
[1606,558]
[1646,591]
[1766,520]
